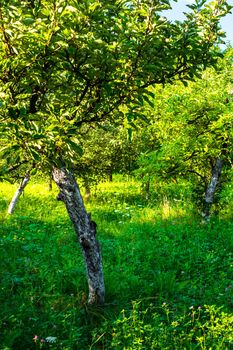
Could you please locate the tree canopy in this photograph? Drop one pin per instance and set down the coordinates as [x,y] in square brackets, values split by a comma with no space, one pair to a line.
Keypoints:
[66,64]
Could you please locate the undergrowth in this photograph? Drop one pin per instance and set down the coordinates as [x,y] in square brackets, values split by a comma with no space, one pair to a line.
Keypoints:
[168,277]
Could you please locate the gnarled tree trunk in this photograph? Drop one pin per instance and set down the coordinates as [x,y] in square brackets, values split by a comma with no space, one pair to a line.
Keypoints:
[18,193]
[211,188]
[85,229]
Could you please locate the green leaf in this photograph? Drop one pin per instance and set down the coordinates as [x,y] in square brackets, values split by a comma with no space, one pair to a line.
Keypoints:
[35,155]
[28,20]
[33,171]
[75,147]
[38,136]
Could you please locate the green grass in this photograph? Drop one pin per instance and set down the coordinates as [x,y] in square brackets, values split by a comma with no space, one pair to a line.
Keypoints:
[169,278]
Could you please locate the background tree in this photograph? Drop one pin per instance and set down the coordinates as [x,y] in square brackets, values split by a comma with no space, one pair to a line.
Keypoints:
[65,65]
[112,149]
[107,150]
[194,128]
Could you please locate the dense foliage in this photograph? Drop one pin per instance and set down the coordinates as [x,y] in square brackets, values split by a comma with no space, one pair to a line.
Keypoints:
[65,65]
[192,127]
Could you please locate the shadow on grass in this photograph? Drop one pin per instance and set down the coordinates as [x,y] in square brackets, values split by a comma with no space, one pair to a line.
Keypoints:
[43,283]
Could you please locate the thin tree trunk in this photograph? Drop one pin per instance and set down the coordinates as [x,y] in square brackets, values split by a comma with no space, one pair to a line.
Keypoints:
[18,193]
[211,188]
[146,188]
[110,176]
[87,191]
[50,183]
[85,229]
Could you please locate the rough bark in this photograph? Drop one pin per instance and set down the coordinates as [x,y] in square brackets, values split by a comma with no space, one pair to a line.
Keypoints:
[18,193]
[85,229]
[211,188]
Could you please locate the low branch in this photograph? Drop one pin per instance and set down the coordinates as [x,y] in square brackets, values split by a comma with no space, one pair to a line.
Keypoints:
[198,174]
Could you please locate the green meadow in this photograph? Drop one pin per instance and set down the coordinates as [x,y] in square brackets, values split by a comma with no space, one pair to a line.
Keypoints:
[168,276]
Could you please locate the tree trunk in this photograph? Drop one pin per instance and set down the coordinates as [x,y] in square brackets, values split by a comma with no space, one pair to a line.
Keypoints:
[211,188]
[87,191]
[146,188]
[110,176]
[50,183]
[18,193]
[85,229]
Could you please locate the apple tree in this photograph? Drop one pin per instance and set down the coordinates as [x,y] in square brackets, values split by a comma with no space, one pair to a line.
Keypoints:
[66,65]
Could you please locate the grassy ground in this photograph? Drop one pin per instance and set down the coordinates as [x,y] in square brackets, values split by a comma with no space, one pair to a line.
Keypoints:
[169,278]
